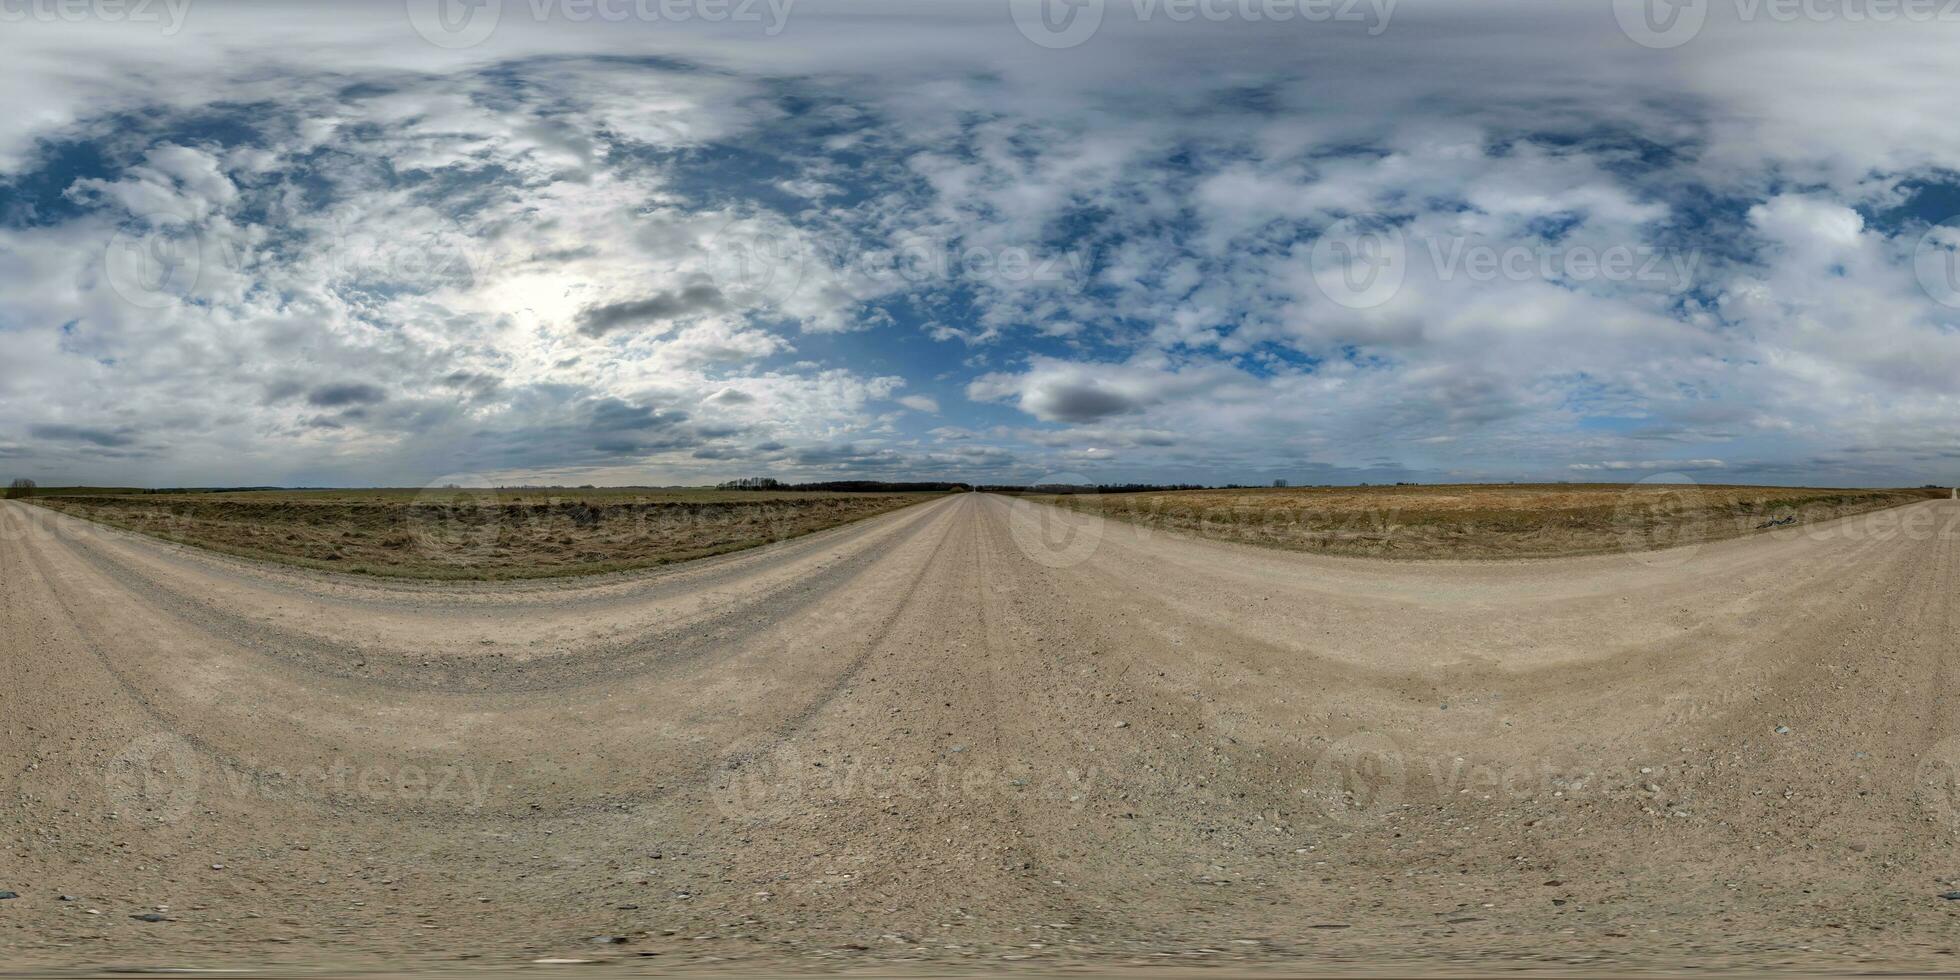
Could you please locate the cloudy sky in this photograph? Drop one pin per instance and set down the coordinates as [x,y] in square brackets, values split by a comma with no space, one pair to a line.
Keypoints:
[677,241]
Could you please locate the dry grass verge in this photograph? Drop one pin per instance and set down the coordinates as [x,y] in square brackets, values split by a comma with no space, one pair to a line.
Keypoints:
[478,534]
[1485,521]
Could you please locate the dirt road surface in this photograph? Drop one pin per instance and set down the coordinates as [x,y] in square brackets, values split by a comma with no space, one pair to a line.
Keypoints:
[979,731]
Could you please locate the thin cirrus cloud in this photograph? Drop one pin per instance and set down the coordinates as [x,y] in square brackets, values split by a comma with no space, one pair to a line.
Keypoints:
[905,243]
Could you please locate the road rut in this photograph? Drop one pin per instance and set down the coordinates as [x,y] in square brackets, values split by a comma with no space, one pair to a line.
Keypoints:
[980,730]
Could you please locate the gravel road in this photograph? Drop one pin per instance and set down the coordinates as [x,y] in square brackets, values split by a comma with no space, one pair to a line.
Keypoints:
[980,731]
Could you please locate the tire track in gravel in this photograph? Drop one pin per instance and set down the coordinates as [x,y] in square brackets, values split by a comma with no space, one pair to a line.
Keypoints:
[66,598]
[1732,739]
[356,593]
[683,646]
[874,643]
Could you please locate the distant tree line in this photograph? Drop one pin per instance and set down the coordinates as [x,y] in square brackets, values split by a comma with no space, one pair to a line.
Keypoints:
[1066,488]
[213,489]
[844,486]
[28,488]
[1102,487]
[879,486]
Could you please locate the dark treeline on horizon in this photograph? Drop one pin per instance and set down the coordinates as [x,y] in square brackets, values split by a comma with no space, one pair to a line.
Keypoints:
[1104,487]
[844,486]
